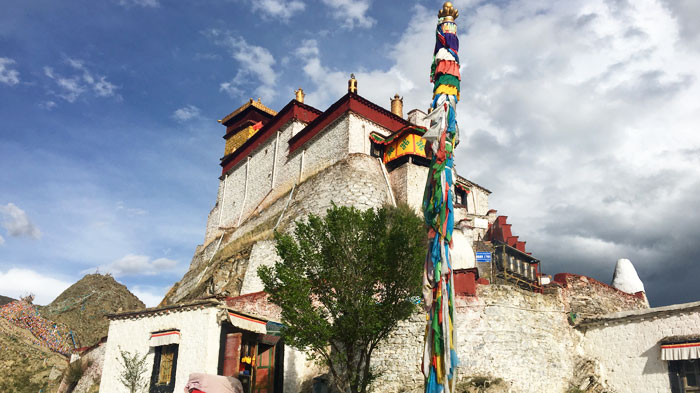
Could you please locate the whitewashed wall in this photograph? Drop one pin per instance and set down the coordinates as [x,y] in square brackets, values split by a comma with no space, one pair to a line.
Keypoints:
[359,131]
[627,345]
[198,350]
[477,202]
[505,332]
[408,183]
[272,170]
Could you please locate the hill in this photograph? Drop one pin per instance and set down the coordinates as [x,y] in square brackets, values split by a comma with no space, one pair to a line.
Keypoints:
[28,361]
[83,306]
[4,300]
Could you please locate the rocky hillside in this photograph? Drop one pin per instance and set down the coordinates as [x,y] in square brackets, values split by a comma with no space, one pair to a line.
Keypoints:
[4,300]
[83,306]
[28,363]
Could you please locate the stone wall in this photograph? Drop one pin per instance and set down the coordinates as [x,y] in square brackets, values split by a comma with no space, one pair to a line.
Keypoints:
[627,345]
[504,332]
[357,180]
[91,363]
[408,183]
[198,350]
[477,201]
[587,297]
[271,170]
[264,254]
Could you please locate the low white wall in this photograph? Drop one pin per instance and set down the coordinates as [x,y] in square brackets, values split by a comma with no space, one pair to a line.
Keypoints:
[628,347]
[505,332]
[198,350]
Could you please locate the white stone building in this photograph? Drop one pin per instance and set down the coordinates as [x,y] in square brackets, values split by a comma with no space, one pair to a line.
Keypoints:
[510,323]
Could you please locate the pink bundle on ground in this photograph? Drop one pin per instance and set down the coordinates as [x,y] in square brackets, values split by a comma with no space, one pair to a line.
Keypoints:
[209,383]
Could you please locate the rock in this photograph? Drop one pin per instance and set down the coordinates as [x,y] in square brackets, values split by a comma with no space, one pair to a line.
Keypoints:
[626,278]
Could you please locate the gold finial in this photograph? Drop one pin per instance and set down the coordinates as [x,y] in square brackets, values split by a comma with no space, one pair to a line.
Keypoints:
[299,95]
[448,13]
[352,84]
[397,106]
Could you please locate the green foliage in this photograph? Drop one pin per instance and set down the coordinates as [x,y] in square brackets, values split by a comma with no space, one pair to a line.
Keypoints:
[133,374]
[20,380]
[480,383]
[74,372]
[344,282]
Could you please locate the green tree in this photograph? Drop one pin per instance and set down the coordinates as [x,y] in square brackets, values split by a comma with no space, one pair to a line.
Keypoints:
[133,374]
[343,283]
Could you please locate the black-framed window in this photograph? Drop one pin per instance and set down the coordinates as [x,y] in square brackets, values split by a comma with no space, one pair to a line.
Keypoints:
[376,150]
[460,197]
[684,375]
[164,369]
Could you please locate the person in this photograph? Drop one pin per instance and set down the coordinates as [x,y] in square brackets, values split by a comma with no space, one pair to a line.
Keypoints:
[209,383]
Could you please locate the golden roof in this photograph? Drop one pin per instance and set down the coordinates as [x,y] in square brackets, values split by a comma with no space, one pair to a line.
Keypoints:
[255,104]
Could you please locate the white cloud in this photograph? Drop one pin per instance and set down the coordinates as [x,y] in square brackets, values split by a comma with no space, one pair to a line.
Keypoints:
[103,88]
[80,80]
[138,265]
[20,282]
[331,84]
[2,240]
[253,61]
[581,117]
[48,105]
[17,223]
[130,211]
[186,113]
[8,75]
[150,296]
[139,3]
[308,49]
[351,13]
[281,9]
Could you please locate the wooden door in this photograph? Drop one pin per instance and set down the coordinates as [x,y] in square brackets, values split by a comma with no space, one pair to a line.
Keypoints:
[264,369]
[232,354]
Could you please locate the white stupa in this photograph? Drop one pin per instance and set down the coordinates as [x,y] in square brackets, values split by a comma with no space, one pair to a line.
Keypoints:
[626,278]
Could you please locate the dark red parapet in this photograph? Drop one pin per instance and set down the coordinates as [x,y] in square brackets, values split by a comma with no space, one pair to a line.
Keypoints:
[500,232]
[465,281]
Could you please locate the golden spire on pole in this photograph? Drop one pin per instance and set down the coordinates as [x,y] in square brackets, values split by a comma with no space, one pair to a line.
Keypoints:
[448,12]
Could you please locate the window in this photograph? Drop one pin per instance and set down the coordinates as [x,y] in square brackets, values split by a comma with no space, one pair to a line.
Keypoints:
[690,375]
[377,151]
[164,368]
[685,375]
[460,197]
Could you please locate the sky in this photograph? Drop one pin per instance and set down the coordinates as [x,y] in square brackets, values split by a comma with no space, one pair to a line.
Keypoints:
[581,117]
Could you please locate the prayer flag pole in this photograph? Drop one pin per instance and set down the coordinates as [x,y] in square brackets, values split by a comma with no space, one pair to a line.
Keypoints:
[439,355]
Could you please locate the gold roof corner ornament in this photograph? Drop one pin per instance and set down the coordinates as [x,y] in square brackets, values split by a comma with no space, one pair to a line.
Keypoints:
[299,95]
[448,13]
[397,105]
[352,84]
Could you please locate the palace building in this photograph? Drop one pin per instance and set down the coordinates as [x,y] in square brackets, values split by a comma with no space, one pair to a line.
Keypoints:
[513,322]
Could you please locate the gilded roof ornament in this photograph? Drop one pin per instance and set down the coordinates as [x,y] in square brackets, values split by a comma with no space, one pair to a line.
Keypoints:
[448,13]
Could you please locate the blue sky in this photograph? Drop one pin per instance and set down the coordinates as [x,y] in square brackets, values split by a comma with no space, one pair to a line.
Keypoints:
[580,116]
